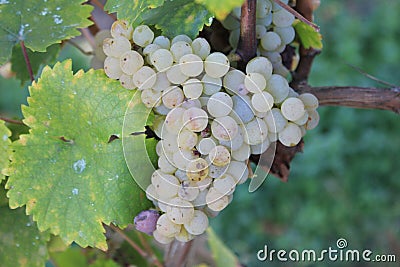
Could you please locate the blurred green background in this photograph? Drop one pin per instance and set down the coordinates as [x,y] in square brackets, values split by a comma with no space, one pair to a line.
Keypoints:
[346,184]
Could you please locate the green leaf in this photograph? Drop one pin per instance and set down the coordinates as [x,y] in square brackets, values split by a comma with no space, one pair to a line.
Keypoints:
[222,255]
[104,263]
[220,8]
[66,172]
[72,257]
[179,17]
[132,11]
[5,142]
[37,60]
[21,242]
[151,144]
[309,38]
[139,152]
[12,95]
[40,23]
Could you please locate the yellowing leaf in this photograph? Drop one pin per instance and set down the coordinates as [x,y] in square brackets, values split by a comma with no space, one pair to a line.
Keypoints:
[220,8]
[132,11]
[307,35]
[66,172]
[5,142]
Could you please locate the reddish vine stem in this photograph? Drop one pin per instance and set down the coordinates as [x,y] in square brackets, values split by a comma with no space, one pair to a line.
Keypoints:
[136,247]
[297,15]
[11,121]
[27,61]
[356,97]
[247,46]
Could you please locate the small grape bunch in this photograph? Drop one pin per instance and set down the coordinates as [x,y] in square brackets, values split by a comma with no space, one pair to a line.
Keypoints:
[274,31]
[209,117]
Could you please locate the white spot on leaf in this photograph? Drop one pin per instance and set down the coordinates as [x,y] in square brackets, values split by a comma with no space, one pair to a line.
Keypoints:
[57,19]
[75,191]
[5,137]
[79,166]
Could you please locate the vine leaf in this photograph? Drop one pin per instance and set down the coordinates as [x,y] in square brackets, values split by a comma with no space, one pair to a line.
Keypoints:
[39,23]
[21,242]
[68,175]
[132,11]
[309,38]
[5,142]
[37,59]
[220,8]
[222,255]
[179,17]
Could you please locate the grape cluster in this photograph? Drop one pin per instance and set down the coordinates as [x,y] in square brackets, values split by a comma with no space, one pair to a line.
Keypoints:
[273,30]
[210,118]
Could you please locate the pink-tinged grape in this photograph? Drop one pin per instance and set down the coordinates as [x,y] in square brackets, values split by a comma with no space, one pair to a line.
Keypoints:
[195,119]
[220,156]
[172,97]
[146,221]
[224,128]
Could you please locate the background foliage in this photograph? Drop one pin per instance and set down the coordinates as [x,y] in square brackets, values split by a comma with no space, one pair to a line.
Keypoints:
[345,184]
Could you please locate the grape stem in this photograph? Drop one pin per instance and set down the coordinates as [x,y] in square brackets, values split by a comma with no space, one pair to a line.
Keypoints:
[27,61]
[297,15]
[87,53]
[11,120]
[247,46]
[136,247]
